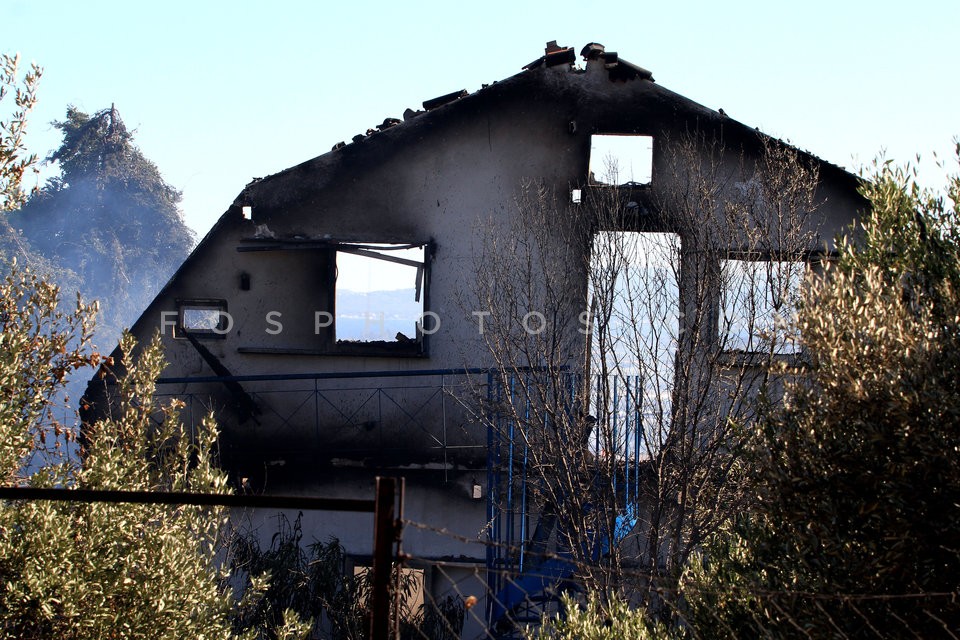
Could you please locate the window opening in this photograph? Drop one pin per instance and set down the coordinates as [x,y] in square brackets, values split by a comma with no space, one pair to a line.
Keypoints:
[635,308]
[203,318]
[758,303]
[618,160]
[379,293]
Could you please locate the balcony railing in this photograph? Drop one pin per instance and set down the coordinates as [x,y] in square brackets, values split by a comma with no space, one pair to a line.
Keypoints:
[424,416]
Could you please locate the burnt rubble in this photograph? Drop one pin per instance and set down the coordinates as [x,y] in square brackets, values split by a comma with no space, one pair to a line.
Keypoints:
[554,55]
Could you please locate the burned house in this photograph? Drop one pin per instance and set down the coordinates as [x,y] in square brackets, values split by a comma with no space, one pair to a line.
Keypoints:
[330,319]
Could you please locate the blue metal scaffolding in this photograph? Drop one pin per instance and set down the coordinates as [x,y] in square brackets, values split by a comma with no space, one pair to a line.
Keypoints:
[523,582]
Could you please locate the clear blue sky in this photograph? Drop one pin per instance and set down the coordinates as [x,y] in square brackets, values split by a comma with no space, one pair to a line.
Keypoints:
[220,92]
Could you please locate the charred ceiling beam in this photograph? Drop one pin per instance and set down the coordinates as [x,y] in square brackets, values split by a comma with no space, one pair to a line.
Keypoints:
[376,255]
[292,244]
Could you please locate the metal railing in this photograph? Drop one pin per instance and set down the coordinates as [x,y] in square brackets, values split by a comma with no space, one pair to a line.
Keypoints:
[520,569]
[443,415]
[420,414]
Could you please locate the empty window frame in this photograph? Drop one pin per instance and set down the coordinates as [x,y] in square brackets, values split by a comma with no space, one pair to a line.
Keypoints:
[758,304]
[621,160]
[380,296]
[202,318]
[635,320]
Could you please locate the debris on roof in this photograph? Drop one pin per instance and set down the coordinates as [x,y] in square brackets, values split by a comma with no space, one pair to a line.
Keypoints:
[533,65]
[445,99]
[387,123]
[553,55]
[622,71]
[619,70]
[610,59]
[592,51]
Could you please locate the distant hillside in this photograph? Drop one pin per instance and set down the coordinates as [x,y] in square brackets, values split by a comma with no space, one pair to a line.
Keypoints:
[377,315]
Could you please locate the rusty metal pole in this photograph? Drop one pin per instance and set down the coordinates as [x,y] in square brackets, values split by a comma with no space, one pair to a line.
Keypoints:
[399,556]
[383,541]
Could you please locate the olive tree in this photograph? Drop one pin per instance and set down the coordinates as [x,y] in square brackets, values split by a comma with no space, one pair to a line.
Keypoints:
[857,529]
[99,570]
[14,160]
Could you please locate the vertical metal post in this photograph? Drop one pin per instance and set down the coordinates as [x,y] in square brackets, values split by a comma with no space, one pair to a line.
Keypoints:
[316,408]
[511,511]
[614,448]
[493,491]
[384,535]
[399,556]
[638,435]
[523,488]
[443,417]
[380,415]
[626,443]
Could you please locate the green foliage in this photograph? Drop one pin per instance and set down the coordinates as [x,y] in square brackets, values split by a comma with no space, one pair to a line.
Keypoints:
[109,217]
[14,161]
[595,621]
[857,529]
[101,570]
[40,344]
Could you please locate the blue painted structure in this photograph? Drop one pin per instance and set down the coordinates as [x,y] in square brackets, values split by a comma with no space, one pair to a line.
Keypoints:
[518,572]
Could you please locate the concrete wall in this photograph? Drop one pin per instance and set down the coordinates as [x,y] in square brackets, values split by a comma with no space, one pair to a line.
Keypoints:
[448,177]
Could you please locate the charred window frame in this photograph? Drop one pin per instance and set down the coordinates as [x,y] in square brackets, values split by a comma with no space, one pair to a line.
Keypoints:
[203,318]
[327,336]
[758,301]
[377,322]
[620,160]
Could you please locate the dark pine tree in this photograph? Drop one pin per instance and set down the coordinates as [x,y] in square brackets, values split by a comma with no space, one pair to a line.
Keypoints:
[109,217]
